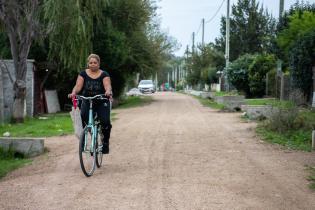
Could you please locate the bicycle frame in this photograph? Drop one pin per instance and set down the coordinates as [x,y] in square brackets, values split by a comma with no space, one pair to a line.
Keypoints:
[91,124]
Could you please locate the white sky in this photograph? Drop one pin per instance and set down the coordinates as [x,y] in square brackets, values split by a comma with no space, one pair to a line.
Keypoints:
[180,18]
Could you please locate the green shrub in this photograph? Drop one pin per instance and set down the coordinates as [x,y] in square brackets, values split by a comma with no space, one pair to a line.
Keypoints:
[258,69]
[238,73]
[302,56]
[289,127]
[283,120]
[272,83]
[179,87]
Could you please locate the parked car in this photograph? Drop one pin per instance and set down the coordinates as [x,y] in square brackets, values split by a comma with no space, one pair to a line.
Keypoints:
[146,86]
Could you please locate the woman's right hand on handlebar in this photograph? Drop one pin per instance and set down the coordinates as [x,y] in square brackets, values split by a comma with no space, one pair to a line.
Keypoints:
[71,95]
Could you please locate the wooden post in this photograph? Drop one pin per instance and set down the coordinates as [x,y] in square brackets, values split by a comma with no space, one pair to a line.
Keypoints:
[1,98]
[282,87]
[313,140]
[313,104]
[267,80]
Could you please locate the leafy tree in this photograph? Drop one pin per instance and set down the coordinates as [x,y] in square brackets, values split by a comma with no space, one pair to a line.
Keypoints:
[252,30]
[258,69]
[69,26]
[204,65]
[238,73]
[298,7]
[299,25]
[124,32]
[129,41]
[19,19]
[302,58]
[296,10]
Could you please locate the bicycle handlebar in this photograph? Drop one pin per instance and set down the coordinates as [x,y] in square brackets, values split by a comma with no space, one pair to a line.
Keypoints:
[79,97]
[100,96]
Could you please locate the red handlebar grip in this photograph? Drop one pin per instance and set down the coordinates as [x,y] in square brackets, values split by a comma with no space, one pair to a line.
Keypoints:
[74,102]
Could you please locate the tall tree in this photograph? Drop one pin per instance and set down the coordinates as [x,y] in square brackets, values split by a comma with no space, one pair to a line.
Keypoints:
[69,26]
[19,18]
[204,65]
[252,29]
[130,41]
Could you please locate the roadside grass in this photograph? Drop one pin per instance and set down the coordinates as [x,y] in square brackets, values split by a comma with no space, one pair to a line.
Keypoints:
[311,177]
[296,139]
[9,160]
[224,93]
[269,101]
[210,103]
[292,132]
[134,101]
[41,126]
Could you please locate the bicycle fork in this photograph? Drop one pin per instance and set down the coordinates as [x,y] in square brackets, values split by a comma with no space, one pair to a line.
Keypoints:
[92,128]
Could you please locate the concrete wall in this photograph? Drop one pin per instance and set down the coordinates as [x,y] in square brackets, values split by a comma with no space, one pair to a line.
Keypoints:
[230,102]
[7,93]
[29,147]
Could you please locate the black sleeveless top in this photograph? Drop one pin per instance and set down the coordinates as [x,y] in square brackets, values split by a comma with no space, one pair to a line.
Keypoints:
[92,87]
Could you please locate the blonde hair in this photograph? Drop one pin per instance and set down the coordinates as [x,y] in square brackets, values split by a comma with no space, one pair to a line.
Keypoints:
[94,56]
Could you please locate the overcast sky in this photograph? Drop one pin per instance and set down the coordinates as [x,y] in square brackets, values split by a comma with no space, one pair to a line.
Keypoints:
[180,18]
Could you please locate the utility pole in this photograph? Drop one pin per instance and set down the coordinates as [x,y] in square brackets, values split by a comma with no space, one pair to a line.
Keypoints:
[187,51]
[193,42]
[281,9]
[227,45]
[156,80]
[175,71]
[203,31]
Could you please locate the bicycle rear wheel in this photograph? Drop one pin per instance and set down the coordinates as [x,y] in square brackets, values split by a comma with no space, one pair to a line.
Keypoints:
[87,153]
[99,151]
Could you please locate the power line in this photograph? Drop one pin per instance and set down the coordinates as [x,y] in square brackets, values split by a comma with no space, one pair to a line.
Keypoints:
[198,28]
[208,21]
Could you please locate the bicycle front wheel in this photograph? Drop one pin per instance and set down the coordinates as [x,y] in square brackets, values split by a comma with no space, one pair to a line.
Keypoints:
[87,152]
[99,151]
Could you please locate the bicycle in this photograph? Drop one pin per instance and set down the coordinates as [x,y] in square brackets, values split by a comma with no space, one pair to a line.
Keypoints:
[90,144]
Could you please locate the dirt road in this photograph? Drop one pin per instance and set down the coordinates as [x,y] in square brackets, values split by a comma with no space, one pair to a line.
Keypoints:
[171,154]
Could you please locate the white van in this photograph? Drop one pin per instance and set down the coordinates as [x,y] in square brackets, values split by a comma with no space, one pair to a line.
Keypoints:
[146,86]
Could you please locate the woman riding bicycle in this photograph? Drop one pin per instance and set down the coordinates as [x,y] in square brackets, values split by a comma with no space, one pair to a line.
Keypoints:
[90,82]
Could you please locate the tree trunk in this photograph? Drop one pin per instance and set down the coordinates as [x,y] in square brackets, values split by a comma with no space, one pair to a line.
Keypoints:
[19,101]
[19,19]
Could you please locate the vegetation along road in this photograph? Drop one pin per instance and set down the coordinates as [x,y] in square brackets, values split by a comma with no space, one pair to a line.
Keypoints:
[171,154]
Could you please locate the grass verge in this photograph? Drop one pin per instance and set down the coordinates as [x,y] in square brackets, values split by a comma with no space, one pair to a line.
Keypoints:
[42,126]
[224,93]
[134,101]
[270,101]
[210,103]
[311,177]
[296,139]
[291,128]
[10,160]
